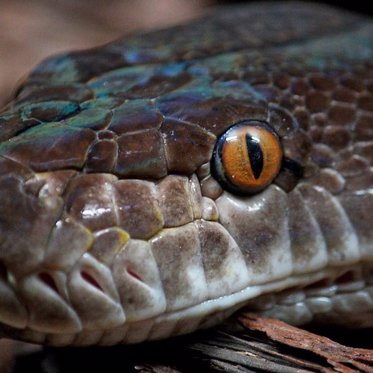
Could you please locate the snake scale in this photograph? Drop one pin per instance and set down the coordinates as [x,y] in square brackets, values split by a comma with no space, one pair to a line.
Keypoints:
[154,185]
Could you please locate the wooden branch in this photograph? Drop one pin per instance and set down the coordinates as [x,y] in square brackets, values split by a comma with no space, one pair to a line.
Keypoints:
[246,343]
[339,357]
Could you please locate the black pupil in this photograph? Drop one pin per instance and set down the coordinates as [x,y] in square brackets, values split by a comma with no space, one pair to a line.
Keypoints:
[255,155]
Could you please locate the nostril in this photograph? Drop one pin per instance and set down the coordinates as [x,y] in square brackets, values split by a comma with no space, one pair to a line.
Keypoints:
[91,280]
[133,274]
[48,280]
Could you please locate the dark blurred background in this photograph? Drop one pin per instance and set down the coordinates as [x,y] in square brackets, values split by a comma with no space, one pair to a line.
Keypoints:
[356,6]
[30,30]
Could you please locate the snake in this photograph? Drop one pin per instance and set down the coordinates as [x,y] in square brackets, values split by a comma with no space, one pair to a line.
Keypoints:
[154,185]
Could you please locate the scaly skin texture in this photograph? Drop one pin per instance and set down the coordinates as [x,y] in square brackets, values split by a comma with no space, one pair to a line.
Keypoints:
[112,228]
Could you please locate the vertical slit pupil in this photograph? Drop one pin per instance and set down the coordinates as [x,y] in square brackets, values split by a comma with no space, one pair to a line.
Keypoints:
[255,155]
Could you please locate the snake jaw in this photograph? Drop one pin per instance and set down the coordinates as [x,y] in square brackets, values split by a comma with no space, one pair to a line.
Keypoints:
[209,260]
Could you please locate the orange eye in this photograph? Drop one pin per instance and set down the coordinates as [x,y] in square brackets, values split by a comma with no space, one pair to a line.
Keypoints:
[247,157]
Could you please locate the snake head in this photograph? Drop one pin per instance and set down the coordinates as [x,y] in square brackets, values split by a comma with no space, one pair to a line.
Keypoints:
[148,190]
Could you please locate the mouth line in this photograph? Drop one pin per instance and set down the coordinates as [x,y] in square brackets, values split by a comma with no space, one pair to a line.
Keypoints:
[250,293]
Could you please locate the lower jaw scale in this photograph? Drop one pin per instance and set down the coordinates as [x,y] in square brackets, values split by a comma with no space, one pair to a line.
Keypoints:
[334,295]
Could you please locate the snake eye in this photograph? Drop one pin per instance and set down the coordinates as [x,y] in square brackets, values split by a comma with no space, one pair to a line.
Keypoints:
[247,157]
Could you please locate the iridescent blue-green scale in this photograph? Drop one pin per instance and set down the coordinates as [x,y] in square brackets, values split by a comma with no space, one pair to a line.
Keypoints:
[48,111]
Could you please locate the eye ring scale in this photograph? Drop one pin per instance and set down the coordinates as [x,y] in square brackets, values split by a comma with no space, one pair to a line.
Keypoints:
[247,157]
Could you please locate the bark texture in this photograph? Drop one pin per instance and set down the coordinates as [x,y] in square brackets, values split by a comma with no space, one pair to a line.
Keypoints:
[246,343]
